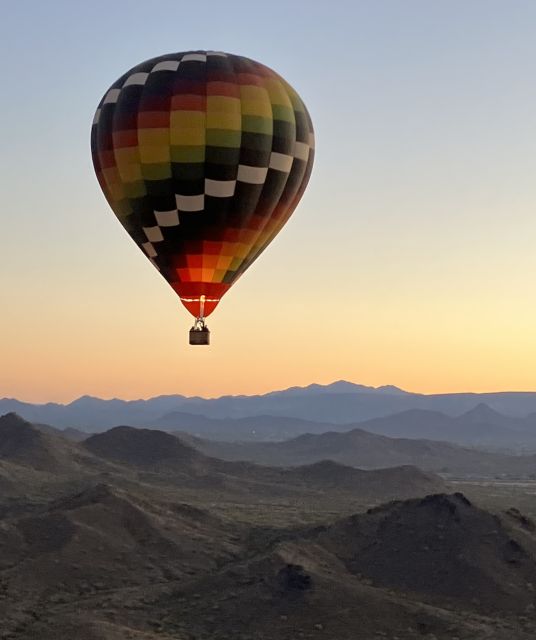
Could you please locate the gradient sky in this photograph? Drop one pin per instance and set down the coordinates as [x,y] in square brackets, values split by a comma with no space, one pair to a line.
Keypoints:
[410,261]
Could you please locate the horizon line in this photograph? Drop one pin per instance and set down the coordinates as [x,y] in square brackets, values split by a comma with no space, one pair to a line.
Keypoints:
[260,394]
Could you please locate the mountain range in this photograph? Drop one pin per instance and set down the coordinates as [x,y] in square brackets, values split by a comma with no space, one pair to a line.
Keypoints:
[337,403]
[481,426]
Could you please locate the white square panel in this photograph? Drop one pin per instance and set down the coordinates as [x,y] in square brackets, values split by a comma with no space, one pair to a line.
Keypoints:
[153,234]
[112,96]
[281,162]
[194,57]
[190,203]
[166,65]
[149,249]
[136,78]
[252,175]
[167,218]
[220,188]
[301,151]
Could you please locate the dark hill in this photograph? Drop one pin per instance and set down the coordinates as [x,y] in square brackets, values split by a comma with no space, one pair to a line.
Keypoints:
[19,438]
[440,547]
[436,567]
[23,443]
[141,447]
[111,537]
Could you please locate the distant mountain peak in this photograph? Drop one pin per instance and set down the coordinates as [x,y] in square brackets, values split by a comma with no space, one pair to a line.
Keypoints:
[390,388]
[86,398]
[338,386]
[342,385]
[483,413]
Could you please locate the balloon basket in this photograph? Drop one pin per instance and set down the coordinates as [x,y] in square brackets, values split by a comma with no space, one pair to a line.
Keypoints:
[199,336]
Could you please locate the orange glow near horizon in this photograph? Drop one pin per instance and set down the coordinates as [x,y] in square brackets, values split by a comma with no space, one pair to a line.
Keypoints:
[90,345]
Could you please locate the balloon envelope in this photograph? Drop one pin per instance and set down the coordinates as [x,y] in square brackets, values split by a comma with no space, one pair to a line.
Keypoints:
[203,157]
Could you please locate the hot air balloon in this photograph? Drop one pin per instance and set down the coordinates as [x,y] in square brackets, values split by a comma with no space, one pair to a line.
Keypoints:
[203,157]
